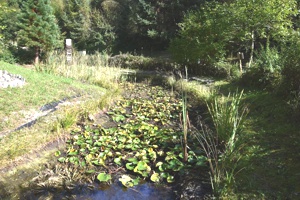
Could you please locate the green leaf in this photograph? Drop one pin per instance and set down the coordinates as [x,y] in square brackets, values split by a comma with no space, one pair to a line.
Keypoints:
[159,164]
[129,166]
[136,181]
[126,180]
[170,179]
[155,177]
[90,171]
[82,164]
[118,161]
[61,159]
[57,153]
[134,160]
[141,166]
[103,177]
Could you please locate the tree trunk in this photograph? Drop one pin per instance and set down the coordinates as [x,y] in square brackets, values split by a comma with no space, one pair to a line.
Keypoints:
[37,53]
[252,49]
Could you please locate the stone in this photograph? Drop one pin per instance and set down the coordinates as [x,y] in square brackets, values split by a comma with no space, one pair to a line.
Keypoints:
[10,80]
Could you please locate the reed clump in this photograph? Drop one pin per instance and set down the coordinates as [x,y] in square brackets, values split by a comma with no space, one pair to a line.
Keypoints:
[220,144]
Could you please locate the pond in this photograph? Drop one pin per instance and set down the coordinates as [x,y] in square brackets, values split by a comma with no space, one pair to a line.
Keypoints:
[115,191]
[134,153]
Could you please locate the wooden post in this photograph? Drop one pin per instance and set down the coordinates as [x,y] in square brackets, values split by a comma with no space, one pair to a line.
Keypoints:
[69,50]
[240,56]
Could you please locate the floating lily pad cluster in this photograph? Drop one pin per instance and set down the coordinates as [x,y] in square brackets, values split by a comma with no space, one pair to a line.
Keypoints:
[146,141]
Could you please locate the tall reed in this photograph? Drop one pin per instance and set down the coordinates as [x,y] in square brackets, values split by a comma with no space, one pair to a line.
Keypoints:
[220,146]
[228,118]
[185,119]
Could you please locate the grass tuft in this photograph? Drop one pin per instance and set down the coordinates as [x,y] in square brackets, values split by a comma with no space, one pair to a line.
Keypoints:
[220,146]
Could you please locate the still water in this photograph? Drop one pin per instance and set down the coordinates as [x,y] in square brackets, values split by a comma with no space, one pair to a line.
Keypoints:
[115,191]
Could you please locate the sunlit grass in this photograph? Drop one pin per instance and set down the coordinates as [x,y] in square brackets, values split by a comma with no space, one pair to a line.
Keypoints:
[40,89]
[18,105]
[89,68]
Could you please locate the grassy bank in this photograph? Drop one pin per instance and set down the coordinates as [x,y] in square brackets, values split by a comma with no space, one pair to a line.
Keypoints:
[40,89]
[20,105]
[269,164]
[266,158]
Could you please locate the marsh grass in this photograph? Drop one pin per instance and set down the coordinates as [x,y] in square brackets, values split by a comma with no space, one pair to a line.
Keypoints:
[197,93]
[228,117]
[93,69]
[185,118]
[220,146]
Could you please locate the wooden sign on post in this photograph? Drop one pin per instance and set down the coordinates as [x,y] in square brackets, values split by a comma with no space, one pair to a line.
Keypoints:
[240,56]
[69,50]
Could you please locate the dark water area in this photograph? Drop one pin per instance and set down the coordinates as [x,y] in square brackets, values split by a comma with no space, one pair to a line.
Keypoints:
[147,191]
[115,191]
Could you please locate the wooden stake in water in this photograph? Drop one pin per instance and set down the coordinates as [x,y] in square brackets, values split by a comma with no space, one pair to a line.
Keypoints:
[185,119]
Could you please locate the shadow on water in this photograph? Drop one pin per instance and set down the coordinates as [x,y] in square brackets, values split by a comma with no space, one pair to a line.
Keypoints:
[143,191]
[115,191]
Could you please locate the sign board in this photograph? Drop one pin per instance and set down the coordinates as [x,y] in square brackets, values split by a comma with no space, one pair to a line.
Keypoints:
[68,42]
[69,50]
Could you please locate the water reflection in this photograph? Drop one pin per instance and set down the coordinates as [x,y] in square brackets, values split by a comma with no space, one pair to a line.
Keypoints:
[115,191]
[146,191]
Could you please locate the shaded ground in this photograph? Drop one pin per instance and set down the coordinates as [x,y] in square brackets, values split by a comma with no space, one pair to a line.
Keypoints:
[270,160]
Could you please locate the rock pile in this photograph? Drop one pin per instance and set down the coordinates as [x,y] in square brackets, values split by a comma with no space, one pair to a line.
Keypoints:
[10,80]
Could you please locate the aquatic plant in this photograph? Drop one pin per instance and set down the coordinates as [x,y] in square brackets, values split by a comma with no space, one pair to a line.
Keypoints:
[220,145]
[146,140]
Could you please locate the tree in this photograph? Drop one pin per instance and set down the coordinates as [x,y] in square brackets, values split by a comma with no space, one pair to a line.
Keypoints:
[8,21]
[203,35]
[102,35]
[3,9]
[208,33]
[76,22]
[38,27]
[150,24]
[261,19]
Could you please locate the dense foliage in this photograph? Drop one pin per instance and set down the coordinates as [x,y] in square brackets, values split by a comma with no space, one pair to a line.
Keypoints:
[201,34]
[144,140]
[37,27]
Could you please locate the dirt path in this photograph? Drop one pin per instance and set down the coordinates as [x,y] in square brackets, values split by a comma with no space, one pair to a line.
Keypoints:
[32,116]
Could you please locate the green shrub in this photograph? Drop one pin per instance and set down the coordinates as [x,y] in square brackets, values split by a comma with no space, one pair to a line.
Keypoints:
[24,56]
[290,87]
[7,56]
[266,72]
[291,63]
[139,62]
[220,69]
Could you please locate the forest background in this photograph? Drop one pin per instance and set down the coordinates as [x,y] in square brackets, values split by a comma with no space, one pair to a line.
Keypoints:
[205,36]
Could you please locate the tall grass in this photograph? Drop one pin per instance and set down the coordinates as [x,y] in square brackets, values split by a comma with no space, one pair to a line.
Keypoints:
[220,145]
[184,118]
[228,118]
[87,68]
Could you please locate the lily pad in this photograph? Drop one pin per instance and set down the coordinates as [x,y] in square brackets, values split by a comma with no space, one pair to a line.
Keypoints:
[118,161]
[126,180]
[155,177]
[103,177]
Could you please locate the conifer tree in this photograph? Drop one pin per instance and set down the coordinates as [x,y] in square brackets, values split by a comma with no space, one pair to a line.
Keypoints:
[37,26]
[76,22]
